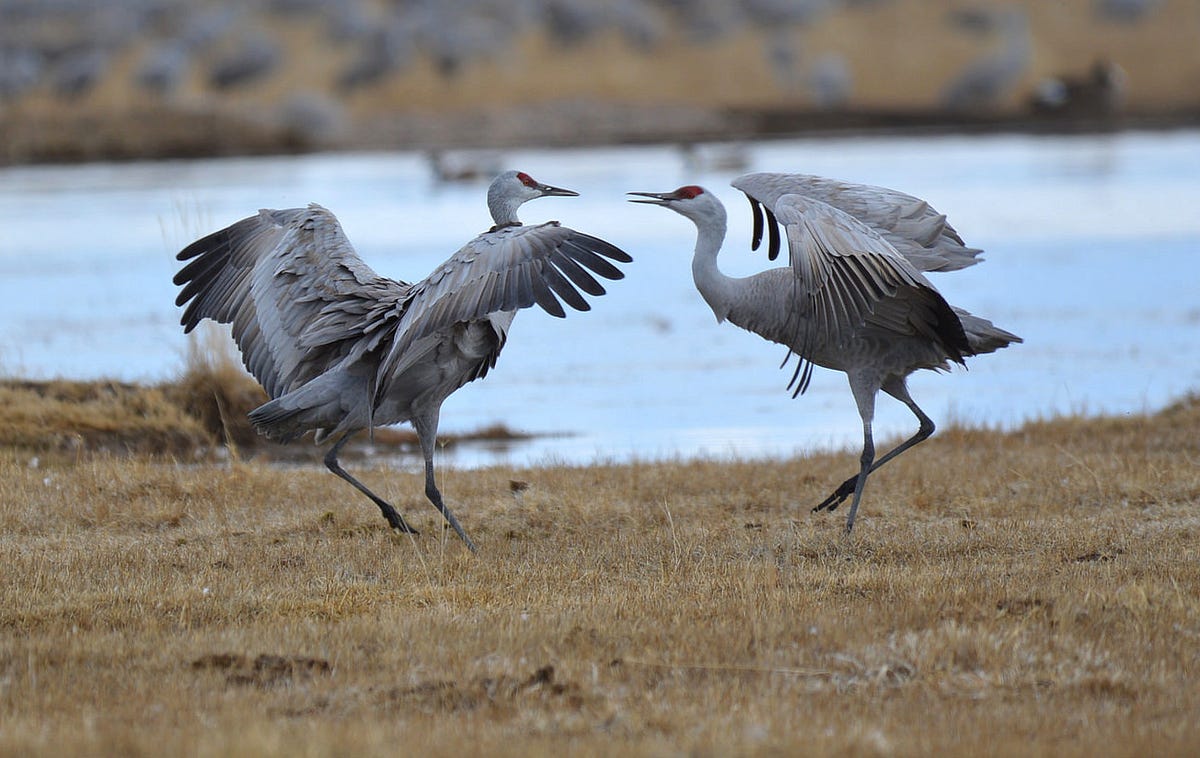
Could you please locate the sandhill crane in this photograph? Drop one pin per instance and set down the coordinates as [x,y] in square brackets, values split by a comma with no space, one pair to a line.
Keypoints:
[1124,11]
[992,75]
[254,58]
[163,68]
[830,82]
[1101,91]
[340,349]
[852,299]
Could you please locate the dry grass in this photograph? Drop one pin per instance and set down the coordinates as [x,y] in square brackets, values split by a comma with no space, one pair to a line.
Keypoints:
[72,418]
[214,389]
[1028,593]
[199,415]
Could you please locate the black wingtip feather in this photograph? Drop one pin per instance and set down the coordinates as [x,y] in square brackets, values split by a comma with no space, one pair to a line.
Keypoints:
[607,249]
[610,250]
[546,300]
[801,377]
[756,210]
[558,283]
[210,261]
[773,231]
[205,244]
[578,275]
[585,256]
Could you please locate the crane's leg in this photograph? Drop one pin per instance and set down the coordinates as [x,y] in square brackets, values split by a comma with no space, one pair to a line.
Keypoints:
[389,513]
[426,426]
[898,389]
[865,397]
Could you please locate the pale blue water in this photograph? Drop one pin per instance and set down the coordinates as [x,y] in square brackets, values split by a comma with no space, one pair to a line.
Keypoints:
[1091,247]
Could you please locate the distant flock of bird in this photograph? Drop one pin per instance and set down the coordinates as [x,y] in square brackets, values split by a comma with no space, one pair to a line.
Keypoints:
[340,349]
[69,47]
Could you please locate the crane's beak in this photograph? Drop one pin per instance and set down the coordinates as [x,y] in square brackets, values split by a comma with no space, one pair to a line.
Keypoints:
[651,198]
[549,191]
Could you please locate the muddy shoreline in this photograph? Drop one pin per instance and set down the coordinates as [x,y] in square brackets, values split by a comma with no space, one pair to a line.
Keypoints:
[167,134]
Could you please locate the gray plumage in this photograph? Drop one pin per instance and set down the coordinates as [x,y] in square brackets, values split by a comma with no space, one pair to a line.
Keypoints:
[830,81]
[80,71]
[914,228]
[853,297]
[1125,11]
[992,75]
[253,58]
[20,69]
[339,348]
[163,68]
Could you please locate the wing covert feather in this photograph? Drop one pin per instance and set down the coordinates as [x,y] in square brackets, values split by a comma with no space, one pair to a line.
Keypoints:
[851,277]
[909,224]
[507,269]
[297,296]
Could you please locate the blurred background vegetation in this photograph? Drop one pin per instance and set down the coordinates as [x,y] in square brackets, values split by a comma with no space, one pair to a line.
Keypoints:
[120,79]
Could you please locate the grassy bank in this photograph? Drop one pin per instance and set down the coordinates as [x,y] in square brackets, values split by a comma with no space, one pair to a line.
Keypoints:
[198,416]
[1031,592]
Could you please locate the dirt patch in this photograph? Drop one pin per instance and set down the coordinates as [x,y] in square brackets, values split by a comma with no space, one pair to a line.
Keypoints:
[264,670]
[487,692]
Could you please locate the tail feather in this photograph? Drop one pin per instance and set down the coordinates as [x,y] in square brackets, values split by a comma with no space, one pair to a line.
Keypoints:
[982,335]
[277,422]
[331,403]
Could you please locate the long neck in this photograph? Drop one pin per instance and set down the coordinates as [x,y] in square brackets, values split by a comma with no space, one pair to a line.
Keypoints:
[716,288]
[503,207]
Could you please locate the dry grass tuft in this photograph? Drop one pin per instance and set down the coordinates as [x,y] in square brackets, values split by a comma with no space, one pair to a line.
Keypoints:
[217,391]
[1033,592]
[191,417]
[71,417]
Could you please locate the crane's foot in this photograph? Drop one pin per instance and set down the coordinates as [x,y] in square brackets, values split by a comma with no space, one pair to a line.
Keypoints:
[845,490]
[395,520]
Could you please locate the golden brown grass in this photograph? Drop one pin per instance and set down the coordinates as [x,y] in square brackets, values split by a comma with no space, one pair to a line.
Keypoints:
[1035,592]
[71,417]
[200,413]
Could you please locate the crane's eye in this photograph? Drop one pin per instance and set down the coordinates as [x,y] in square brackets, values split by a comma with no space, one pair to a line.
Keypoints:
[527,180]
[689,192]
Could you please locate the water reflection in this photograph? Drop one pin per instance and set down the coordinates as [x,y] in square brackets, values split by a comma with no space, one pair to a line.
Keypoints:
[1090,247]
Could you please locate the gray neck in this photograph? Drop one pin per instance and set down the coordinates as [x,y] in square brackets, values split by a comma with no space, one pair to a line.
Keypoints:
[715,287]
[503,207]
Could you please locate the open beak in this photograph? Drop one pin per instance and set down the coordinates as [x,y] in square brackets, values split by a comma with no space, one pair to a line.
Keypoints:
[549,191]
[651,198]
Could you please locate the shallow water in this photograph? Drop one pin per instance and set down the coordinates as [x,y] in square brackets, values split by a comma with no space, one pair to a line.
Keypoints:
[1090,243]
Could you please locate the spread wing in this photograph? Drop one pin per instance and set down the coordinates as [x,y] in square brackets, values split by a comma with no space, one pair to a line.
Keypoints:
[506,269]
[850,280]
[298,297]
[909,224]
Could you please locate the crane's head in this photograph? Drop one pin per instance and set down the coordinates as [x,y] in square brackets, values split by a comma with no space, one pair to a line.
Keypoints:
[513,188]
[696,203]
